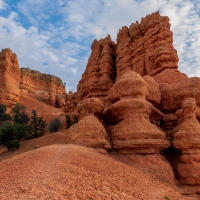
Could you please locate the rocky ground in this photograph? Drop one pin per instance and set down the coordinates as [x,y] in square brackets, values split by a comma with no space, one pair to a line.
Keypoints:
[64,171]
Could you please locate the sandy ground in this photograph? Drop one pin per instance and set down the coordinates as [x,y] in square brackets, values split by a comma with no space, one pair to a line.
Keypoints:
[65,171]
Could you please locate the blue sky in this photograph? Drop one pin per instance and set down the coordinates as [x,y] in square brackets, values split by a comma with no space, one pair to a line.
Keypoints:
[54,37]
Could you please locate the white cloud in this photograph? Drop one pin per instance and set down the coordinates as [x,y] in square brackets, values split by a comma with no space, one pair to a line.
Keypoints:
[3,5]
[60,33]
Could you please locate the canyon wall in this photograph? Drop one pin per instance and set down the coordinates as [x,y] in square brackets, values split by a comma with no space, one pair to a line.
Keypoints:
[47,88]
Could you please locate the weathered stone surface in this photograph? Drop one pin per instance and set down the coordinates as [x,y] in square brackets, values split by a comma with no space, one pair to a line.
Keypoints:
[128,118]
[10,78]
[47,88]
[90,106]
[156,164]
[70,102]
[174,94]
[130,85]
[170,76]
[169,122]
[146,47]
[187,137]
[154,94]
[89,131]
[99,74]
[189,169]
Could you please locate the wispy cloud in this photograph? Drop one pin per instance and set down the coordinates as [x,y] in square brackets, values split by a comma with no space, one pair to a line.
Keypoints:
[3,5]
[55,36]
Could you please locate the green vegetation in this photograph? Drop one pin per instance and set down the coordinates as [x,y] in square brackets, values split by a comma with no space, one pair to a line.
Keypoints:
[12,132]
[19,126]
[54,125]
[167,198]
[3,116]
[19,114]
[37,125]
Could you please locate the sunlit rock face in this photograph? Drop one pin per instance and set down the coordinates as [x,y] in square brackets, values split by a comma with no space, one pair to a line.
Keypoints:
[46,87]
[10,78]
[146,47]
[99,74]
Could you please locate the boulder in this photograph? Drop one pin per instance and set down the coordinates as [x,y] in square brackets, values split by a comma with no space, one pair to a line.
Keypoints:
[89,131]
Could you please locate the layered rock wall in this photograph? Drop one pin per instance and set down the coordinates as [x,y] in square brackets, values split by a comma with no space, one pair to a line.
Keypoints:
[47,88]
[146,47]
[99,75]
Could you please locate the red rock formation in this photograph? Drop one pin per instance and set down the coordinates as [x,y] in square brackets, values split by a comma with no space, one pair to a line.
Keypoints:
[47,88]
[112,75]
[146,47]
[10,78]
[128,119]
[99,74]
[170,76]
[187,139]
[173,94]
[188,133]
[154,94]
[89,131]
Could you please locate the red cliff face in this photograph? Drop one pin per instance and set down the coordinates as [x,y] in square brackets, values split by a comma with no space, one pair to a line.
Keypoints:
[10,78]
[47,88]
[99,74]
[146,47]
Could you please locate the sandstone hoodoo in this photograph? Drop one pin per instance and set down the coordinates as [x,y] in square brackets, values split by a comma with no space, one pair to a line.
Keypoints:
[187,139]
[128,118]
[89,131]
[142,91]
[10,78]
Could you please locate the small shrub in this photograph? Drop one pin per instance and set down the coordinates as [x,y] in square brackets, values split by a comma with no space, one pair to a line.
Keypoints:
[3,116]
[37,125]
[13,144]
[54,125]
[8,132]
[12,132]
[19,114]
[69,122]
